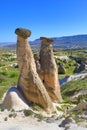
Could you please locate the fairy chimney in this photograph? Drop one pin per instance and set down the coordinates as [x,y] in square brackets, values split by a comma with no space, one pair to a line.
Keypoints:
[49,68]
[29,82]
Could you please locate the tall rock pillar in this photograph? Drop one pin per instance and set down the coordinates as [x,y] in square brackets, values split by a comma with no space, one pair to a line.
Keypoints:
[29,82]
[49,69]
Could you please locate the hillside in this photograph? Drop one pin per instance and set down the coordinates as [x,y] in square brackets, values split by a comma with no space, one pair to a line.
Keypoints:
[66,42]
[72,92]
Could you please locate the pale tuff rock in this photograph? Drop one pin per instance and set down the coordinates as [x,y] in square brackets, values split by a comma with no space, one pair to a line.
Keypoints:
[29,82]
[49,74]
[14,100]
[81,106]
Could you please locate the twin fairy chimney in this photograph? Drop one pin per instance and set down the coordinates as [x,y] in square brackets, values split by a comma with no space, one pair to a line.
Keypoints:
[38,82]
[41,88]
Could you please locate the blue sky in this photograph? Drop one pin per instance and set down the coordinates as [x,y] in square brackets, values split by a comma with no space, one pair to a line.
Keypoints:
[50,18]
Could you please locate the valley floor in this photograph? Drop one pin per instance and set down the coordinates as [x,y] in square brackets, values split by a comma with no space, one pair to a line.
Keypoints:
[20,122]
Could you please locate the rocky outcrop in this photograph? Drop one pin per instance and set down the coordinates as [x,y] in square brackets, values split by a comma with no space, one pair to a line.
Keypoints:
[68,78]
[49,72]
[79,59]
[61,69]
[67,121]
[14,100]
[80,68]
[29,82]
[81,106]
[81,64]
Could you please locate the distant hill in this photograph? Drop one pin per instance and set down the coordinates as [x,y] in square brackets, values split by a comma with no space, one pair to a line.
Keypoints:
[77,41]
[66,42]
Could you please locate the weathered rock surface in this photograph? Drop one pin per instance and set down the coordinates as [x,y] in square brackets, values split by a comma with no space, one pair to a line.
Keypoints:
[23,32]
[29,82]
[13,99]
[49,73]
[81,106]
[79,93]
[72,78]
[61,69]
[67,121]
[82,67]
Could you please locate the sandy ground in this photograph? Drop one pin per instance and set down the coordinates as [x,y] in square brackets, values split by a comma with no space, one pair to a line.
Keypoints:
[20,122]
[26,126]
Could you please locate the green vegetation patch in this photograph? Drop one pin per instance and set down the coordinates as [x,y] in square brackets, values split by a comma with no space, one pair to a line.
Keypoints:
[73,86]
[28,112]
[8,73]
[40,117]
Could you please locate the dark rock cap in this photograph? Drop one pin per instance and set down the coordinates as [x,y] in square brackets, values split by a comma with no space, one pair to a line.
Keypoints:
[23,32]
[45,39]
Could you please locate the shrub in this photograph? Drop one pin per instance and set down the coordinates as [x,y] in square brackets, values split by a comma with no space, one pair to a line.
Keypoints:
[28,112]
[1,108]
[2,64]
[40,117]
[10,115]
[13,74]
[2,78]
[5,119]
[4,73]
[3,89]
[36,107]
